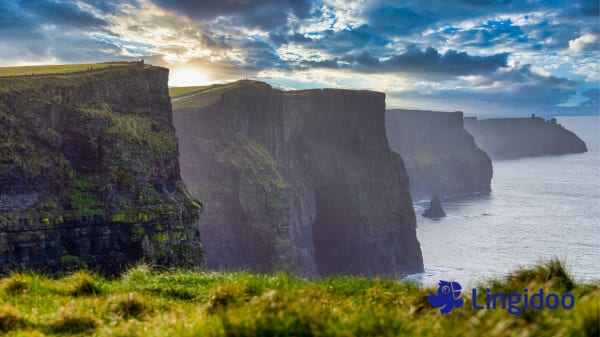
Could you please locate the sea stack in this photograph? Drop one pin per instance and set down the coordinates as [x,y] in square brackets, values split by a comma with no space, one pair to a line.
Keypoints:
[435,209]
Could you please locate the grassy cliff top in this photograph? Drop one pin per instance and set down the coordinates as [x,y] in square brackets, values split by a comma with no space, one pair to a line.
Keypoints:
[182,91]
[199,98]
[59,68]
[143,302]
[202,96]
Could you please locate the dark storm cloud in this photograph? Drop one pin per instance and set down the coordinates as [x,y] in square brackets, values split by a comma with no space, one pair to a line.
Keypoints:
[12,19]
[31,30]
[416,61]
[400,20]
[278,38]
[264,14]
[260,56]
[575,9]
[60,13]
[593,97]
[486,3]
[525,76]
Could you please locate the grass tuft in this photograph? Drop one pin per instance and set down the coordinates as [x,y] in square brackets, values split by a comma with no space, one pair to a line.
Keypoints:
[16,284]
[83,284]
[553,274]
[10,319]
[130,305]
[73,324]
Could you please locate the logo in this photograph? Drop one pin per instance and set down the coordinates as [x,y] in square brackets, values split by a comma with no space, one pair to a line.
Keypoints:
[447,298]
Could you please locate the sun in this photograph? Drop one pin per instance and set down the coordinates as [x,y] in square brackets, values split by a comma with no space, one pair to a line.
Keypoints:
[187,77]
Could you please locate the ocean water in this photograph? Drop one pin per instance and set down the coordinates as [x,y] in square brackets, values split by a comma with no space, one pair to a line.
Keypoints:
[540,208]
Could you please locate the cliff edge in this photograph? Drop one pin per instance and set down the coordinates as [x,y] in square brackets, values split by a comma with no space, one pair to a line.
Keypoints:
[440,157]
[89,173]
[506,138]
[300,180]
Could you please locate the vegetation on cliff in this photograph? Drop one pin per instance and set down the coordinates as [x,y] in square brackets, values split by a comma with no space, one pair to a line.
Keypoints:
[88,168]
[143,302]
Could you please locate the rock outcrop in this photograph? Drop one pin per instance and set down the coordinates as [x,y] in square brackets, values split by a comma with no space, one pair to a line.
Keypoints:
[89,173]
[435,209]
[440,157]
[301,180]
[506,138]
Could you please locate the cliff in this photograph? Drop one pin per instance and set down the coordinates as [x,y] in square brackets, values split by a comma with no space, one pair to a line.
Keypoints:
[439,155]
[300,180]
[506,138]
[89,173]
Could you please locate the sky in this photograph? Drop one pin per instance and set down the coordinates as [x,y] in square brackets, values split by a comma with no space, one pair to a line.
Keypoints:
[482,57]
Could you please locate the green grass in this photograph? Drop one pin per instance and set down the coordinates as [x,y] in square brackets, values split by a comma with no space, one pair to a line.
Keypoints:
[143,302]
[58,69]
[180,91]
[208,97]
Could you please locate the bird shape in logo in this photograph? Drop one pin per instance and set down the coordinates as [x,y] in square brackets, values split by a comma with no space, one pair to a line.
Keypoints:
[447,298]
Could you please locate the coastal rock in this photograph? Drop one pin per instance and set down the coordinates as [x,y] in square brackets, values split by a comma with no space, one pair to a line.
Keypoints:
[303,181]
[435,209]
[89,173]
[439,155]
[507,138]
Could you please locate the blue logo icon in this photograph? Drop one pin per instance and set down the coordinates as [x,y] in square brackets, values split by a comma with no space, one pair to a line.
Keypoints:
[447,298]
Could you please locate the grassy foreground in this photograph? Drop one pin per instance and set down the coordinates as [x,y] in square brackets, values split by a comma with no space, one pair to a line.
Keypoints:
[143,302]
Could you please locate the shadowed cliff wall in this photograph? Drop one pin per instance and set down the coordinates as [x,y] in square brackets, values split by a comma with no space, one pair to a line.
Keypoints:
[439,155]
[302,181]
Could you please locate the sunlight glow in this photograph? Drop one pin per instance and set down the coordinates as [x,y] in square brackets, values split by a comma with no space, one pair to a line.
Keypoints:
[187,77]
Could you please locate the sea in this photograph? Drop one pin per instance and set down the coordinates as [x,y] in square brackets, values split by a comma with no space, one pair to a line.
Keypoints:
[540,208]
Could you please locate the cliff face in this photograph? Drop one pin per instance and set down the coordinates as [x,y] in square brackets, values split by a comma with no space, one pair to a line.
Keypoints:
[439,155]
[89,173]
[303,181]
[506,138]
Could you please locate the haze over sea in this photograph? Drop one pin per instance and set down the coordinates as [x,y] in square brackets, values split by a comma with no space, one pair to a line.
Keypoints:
[539,208]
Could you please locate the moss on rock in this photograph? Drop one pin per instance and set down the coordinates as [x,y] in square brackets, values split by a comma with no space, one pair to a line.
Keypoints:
[86,160]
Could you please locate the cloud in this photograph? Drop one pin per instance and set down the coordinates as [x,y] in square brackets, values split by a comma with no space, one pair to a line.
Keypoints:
[517,91]
[400,20]
[593,97]
[514,54]
[415,61]
[266,14]
[61,13]
[584,42]
[51,31]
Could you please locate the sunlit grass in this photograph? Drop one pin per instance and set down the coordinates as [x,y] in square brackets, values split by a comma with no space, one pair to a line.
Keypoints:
[181,91]
[213,95]
[143,302]
[58,69]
